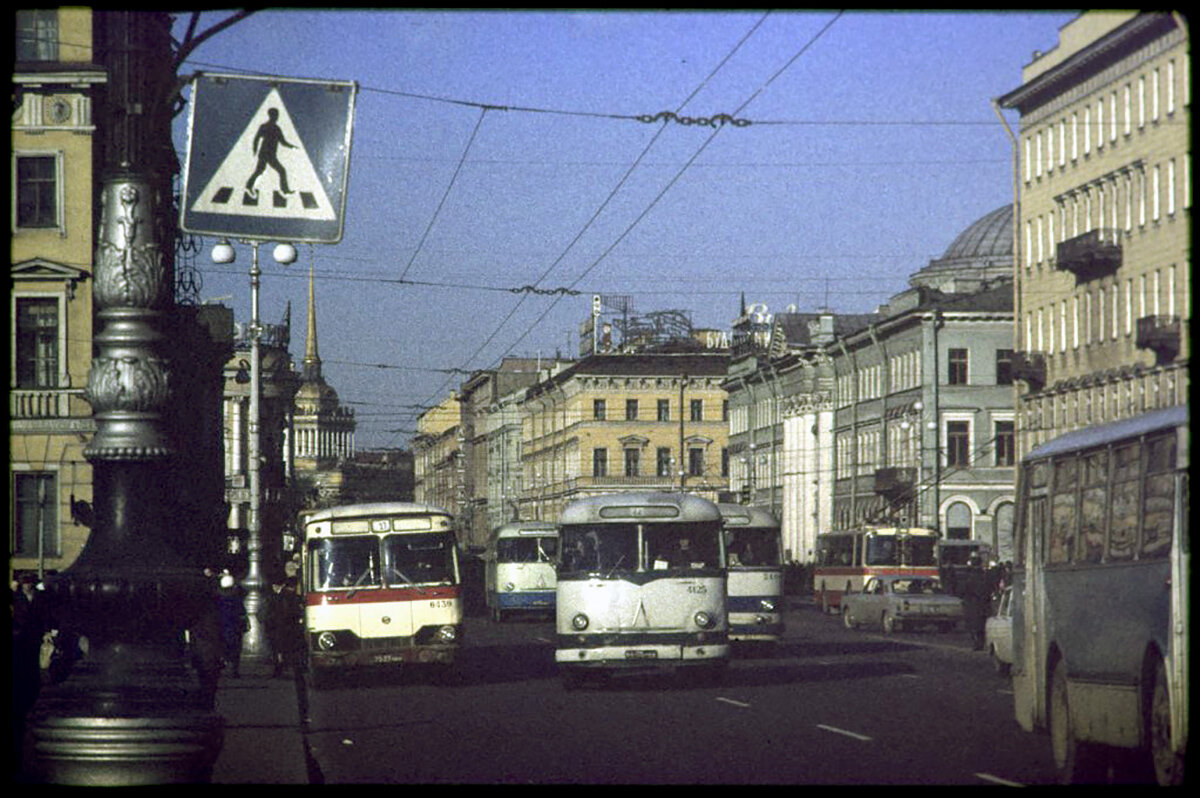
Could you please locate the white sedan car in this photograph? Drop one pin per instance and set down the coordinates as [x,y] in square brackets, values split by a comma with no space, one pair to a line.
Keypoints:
[997,633]
[902,601]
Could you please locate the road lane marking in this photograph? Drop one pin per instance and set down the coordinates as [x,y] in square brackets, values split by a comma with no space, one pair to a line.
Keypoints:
[910,676]
[836,730]
[543,640]
[731,701]
[998,780]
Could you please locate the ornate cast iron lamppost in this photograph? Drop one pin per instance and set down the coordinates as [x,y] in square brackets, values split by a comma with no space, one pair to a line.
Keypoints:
[131,712]
[255,646]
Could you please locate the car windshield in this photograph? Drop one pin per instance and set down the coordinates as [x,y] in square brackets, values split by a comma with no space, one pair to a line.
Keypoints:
[917,587]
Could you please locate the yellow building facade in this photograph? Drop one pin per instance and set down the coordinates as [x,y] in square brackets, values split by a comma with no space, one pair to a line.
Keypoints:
[54,156]
[625,422]
[1103,271]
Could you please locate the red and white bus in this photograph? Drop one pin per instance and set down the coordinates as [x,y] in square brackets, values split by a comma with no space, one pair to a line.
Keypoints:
[381,586]
[845,559]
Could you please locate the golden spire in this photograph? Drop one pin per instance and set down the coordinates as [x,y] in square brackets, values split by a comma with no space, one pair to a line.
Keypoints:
[312,360]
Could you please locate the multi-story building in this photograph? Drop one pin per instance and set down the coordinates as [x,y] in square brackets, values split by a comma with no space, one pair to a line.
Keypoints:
[923,402]
[780,387]
[438,472]
[1103,307]
[648,420]
[479,399]
[55,160]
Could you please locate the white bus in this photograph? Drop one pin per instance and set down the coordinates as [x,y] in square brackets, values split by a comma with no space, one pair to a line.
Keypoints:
[519,568]
[1100,594]
[381,586]
[754,588]
[641,583]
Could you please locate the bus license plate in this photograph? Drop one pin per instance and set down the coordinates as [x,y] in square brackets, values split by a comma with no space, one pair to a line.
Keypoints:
[638,653]
[380,659]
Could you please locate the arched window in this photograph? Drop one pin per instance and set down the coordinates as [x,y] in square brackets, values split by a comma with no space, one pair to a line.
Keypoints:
[958,522]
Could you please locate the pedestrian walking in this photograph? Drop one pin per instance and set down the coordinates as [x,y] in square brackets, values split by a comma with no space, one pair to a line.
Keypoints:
[28,628]
[283,626]
[976,592]
[231,609]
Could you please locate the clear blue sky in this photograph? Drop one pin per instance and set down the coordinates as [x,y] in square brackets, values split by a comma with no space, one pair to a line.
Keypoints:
[872,143]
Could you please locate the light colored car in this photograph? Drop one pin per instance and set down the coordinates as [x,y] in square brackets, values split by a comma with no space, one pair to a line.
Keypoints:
[997,633]
[896,602]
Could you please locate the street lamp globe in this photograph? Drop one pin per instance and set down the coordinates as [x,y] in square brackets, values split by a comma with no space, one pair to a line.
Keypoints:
[223,252]
[285,254]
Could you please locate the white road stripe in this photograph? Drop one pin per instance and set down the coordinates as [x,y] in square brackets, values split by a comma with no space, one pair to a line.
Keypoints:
[998,780]
[731,701]
[836,730]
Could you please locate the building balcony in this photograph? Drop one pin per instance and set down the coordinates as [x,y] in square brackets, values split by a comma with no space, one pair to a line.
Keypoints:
[41,402]
[1160,334]
[892,481]
[1094,254]
[1030,367]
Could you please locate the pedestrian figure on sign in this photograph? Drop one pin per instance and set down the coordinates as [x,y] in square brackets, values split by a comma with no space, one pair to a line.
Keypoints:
[266,146]
[234,623]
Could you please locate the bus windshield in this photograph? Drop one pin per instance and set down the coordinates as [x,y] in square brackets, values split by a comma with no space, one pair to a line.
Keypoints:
[753,547]
[348,562]
[418,559]
[606,548]
[526,549]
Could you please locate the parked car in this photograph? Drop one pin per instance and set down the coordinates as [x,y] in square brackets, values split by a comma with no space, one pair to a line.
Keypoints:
[896,602]
[997,633]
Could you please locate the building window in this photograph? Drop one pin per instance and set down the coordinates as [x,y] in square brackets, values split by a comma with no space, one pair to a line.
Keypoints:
[37,35]
[697,409]
[662,463]
[35,515]
[632,461]
[696,462]
[958,443]
[1004,363]
[664,409]
[631,409]
[598,409]
[958,521]
[725,461]
[37,343]
[600,462]
[37,191]
[958,367]
[1005,443]
[725,403]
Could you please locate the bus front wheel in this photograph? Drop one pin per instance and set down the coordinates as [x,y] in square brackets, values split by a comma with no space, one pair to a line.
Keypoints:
[1168,764]
[1074,759]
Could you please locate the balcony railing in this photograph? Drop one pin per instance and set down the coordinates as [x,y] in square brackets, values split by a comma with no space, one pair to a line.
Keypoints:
[1161,334]
[41,402]
[1030,367]
[1094,254]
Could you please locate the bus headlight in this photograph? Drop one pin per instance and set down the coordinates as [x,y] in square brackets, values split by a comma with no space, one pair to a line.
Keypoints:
[705,620]
[579,622]
[327,641]
[768,605]
[447,634]
[509,586]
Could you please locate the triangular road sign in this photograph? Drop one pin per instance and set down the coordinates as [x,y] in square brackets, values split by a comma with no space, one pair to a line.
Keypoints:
[268,172]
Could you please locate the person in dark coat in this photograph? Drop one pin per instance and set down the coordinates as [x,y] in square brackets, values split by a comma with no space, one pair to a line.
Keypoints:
[231,609]
[975,589]
[283,626]
[28,629]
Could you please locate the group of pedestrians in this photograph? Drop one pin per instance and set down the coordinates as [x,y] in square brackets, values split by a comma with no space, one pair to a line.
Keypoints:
[281,617]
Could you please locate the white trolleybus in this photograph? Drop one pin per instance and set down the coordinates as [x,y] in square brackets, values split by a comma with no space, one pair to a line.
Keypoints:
[845,559]
[641,584]
[754,585]
[381,586]
[519,568]
[1100,595]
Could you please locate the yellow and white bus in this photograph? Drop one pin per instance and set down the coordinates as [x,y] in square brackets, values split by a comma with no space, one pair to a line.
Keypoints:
[641,584]
[381,586]
[519,568]
[754,589]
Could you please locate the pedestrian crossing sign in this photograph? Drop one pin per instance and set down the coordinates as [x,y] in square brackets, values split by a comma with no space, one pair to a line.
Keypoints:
[268,158]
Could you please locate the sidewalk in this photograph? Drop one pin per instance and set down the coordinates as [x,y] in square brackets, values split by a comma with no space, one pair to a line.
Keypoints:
[263,739]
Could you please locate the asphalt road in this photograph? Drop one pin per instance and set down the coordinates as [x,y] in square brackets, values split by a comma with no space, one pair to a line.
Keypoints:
[827,705]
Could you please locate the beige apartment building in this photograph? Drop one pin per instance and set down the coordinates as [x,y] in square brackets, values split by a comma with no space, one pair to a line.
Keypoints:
[1103,270]
[621,422]
[54,155]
